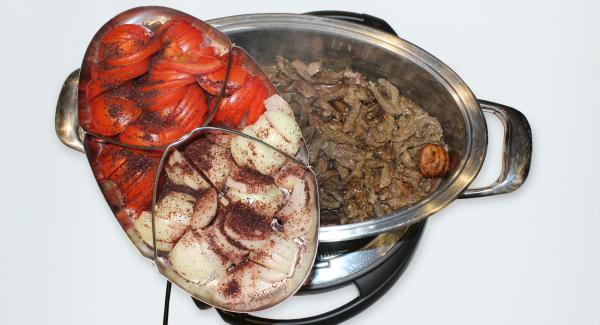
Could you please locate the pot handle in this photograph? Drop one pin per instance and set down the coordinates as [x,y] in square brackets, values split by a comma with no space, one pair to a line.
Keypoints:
[65,120]
[354,17]
[516,158]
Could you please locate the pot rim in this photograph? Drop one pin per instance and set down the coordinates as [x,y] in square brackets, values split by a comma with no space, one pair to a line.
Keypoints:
[475,125]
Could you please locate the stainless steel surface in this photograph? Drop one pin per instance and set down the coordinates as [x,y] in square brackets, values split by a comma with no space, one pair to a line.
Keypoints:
[328,272]
[65,120]
[516,158]
[377,54]
[417,73]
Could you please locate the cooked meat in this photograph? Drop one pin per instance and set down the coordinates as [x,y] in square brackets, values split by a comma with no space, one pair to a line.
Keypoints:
[369,145]
[301,69]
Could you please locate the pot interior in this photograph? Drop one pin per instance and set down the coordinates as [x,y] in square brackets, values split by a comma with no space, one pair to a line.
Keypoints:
[374,62]
[416,73]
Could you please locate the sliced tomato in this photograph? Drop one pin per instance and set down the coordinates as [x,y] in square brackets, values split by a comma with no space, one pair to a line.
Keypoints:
[232,109]
[150,135]
[167,75]
[164,98]
[212,102]
[236,59]
[140,135]
[125,41]
[251,95]
[126,177]
[126,34]
[214,81]
[181,33]
[140,201]
[160,72]
[189,114]
[110,158]
[133,185]
[192,108]
[93,88]
[143,53]
[211,88]
[124,72]
[257,108]
[203,51]
[197,65]
[94,85]
[172,84]
[241,105]
[237,77]
[171,51]
[221,117]
[124,53]
[110,115]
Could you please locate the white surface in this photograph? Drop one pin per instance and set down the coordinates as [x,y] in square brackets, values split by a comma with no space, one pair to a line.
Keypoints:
[531,257]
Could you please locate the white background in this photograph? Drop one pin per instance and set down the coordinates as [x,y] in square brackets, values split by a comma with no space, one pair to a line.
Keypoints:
[531,257]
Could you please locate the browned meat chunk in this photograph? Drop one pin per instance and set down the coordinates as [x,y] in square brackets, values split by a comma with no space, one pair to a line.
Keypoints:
[433,160]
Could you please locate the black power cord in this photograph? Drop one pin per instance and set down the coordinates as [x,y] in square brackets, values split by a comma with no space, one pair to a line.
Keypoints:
[167,301]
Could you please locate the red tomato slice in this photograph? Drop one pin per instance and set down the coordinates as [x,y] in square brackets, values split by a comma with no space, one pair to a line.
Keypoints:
[189,114]
[111,115]
[125,72]
[203,51]
[236,59]
[150,135]
[166,85]
[199,65]
[93,88]
[122,41]
[192,108]
[245,103]
[164,98]
[111,157]
[131,190]
[150,49]
[126,32]
[257,108]
[213,82]
[232,109]
[159,72]
[182,33]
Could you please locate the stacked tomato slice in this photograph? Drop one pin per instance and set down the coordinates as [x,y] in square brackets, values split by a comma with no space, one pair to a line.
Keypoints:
[147,87]
[151,87]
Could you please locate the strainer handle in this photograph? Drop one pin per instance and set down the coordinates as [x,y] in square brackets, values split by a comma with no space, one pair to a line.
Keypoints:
[65,119]
[516,158]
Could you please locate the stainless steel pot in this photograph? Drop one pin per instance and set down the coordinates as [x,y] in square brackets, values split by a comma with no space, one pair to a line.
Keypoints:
[420,75]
